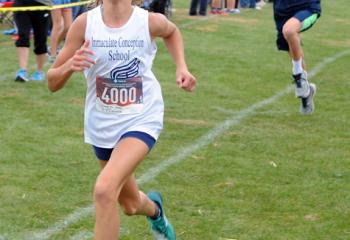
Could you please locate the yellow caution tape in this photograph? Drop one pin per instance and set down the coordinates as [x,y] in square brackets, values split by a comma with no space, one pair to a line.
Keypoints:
[40,8]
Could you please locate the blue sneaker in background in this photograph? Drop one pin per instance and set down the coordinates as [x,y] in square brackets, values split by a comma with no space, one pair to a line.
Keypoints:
[161,227]
[37,76]
[12,31]
[22,76]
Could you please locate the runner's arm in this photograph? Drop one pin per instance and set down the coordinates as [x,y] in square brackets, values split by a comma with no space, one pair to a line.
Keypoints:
[74,56]
[160,26]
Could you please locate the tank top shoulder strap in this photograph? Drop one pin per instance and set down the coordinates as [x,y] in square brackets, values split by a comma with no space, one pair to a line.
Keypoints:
[92,19]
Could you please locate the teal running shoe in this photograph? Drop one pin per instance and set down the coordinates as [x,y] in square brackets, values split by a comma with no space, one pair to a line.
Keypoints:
[161,227]
[21,76]
[37,76]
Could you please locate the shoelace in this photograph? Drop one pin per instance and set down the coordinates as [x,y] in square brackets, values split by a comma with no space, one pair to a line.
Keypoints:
[162,227]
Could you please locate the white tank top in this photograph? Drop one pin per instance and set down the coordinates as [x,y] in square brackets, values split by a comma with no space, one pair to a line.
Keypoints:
[122,92]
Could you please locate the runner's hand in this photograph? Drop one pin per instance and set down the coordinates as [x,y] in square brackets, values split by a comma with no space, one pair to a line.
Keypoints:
[82,58]
[185,80]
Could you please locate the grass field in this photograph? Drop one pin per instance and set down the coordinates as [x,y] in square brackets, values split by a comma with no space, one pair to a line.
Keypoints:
[236,160]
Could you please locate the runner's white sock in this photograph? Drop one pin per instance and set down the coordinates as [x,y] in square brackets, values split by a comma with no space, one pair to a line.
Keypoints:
[297,66]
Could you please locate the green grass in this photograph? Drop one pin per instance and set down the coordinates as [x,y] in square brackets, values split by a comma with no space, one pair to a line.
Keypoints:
[275,175]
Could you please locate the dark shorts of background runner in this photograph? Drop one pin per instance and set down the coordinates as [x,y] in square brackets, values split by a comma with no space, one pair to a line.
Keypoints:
[105,153]
[302,15]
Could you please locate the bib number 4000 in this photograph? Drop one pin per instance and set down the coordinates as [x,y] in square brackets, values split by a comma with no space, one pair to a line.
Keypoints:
[120,96]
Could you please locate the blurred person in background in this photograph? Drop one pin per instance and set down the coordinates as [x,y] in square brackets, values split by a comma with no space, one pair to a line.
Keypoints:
[250,4]
[76,11]
[62,19]
[203,4]
[38,21]
[218,7]
[232,6]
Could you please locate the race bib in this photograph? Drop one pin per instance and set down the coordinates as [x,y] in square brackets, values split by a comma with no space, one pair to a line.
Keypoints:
[122,96]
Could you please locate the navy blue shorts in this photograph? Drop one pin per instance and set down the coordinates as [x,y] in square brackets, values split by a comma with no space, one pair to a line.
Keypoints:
[105,153]
[307,17]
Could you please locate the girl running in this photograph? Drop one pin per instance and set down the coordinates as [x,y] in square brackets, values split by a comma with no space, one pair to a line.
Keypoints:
[113,44]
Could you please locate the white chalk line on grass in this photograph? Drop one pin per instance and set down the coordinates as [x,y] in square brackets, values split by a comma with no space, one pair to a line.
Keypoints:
[185,152]
[82,235]
[267,112]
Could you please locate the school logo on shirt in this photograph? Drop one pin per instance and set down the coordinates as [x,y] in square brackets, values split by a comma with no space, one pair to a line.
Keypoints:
[129,70]
[121,92]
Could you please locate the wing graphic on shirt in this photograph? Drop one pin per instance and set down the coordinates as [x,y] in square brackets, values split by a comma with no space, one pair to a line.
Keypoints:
[126,71]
